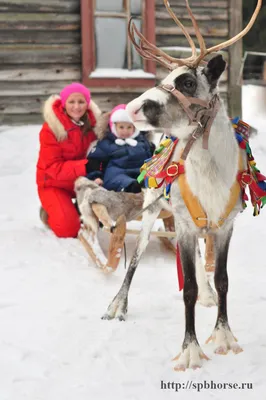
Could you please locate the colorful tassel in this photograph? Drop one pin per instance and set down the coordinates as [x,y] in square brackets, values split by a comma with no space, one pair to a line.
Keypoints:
[140,178]
[153,166]
[255,180]
[154,174]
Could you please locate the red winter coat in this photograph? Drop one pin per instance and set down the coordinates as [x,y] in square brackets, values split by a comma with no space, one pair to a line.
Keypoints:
[63,147]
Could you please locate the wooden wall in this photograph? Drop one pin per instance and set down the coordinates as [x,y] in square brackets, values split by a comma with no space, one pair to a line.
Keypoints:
[40,50]
[39,54]
[211,15]
[213,20]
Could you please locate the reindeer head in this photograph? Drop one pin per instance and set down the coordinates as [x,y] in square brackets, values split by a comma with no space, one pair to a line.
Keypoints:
[192,81]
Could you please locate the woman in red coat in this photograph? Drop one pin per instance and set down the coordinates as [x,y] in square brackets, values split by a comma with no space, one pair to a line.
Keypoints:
[65,138]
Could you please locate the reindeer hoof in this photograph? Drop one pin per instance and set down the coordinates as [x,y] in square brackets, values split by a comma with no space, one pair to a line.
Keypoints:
[180,367]
[191,357]
[224,341]
[117,309]
[222,350]
[236,348]
[106,317]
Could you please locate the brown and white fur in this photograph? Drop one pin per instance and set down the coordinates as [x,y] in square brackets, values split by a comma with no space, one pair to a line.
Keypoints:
[210,175]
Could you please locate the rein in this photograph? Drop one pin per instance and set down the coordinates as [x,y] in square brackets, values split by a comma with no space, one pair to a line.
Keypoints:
[202,118]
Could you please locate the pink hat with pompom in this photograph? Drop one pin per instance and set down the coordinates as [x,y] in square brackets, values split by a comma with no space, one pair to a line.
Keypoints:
[119,114]
[75,87]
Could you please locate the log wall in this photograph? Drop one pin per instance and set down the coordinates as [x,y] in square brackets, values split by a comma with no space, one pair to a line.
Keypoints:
[40,50]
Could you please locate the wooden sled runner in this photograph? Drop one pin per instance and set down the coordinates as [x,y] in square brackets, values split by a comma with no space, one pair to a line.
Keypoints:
[116,244]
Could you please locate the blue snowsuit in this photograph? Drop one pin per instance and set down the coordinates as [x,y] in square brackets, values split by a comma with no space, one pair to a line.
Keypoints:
[118,166]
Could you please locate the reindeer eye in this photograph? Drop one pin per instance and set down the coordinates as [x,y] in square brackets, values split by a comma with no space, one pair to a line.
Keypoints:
[186,83]
[189,83]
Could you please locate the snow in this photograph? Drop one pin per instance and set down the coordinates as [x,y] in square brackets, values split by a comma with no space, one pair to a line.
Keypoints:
[53,343]
[120,73]
[178,48]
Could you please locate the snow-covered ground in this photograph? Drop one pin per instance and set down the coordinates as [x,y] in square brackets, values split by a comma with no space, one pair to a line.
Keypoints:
[53,343]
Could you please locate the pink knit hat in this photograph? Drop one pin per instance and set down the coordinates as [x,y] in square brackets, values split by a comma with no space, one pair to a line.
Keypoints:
[119,114]
[75,87]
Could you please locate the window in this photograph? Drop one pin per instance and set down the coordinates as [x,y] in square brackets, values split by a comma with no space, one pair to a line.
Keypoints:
[253,69]
[108,56]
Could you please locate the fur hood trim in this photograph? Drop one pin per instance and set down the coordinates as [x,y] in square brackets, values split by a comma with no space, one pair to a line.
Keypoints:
[53,121]
[95,109]
[102,125]
[101,128]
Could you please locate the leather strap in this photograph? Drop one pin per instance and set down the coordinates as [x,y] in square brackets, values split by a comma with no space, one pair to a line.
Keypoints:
[203,118]
[214,108]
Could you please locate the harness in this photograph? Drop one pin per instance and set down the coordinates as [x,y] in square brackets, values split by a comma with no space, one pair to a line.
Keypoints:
[176,170]
[157,171]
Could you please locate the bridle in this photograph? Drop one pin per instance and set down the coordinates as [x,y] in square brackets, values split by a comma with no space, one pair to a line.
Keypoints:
[201,118]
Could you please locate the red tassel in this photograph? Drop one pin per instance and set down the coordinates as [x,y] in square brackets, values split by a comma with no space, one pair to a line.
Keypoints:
[242,145]
[179,268]
[260,177]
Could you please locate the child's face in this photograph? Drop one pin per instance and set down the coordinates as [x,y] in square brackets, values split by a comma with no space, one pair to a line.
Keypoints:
[124,129]
[76,106]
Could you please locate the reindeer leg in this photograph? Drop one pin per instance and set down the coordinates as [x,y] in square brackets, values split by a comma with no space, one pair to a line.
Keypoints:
[118,307]
[222,336]
[207,296]
[191,354]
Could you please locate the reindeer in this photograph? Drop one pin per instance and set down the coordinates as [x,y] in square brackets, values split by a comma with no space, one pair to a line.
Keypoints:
[187,104]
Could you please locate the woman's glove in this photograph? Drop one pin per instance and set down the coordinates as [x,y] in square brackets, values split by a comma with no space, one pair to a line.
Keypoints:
[92,165]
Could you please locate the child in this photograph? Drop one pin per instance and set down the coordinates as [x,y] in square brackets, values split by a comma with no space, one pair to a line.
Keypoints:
[65,138]
[116,159]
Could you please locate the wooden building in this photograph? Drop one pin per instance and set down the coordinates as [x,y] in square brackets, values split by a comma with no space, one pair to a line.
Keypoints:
[253,70]
[48,44]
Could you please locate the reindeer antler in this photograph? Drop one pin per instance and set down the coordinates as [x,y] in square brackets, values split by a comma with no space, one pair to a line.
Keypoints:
[148,50]
[203,50]
[151,52]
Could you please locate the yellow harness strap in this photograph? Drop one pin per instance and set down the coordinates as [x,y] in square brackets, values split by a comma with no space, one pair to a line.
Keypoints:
[194,207]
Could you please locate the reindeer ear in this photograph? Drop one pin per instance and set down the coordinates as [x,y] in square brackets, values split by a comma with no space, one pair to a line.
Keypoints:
[214,70]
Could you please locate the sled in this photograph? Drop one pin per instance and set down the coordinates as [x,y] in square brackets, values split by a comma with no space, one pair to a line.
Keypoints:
[117,233]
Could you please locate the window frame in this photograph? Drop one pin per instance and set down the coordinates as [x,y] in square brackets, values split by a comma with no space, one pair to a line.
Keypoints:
[88,50]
